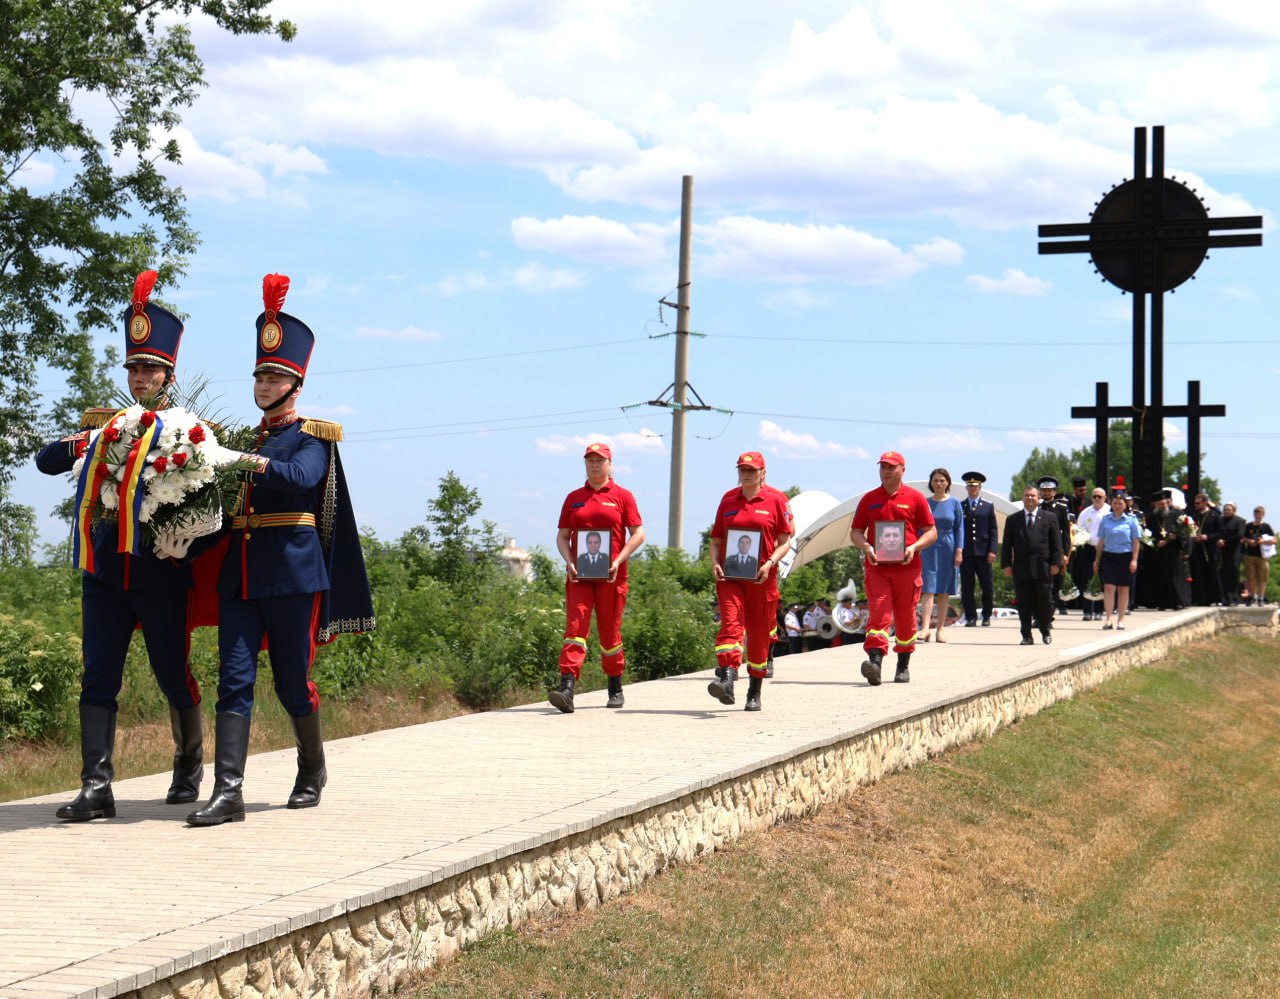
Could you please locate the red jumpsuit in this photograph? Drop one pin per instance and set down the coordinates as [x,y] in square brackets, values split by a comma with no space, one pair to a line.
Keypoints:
[745,604]
[612,510]
[893,588]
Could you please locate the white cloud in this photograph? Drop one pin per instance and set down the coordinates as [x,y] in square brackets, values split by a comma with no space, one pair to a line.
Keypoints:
[36,173]
[949,439]
[456,284]
[792,444]
[1012,282]
[538,278]
[407,333]
[755,249]
[646,441]
[597,240]
[282,160]
[795,300]
[1064,436]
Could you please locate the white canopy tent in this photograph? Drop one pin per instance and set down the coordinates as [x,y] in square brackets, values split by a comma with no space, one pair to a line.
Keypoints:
[822,523]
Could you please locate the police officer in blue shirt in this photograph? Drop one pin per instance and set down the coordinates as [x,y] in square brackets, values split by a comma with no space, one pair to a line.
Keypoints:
[122,590]
[294,571]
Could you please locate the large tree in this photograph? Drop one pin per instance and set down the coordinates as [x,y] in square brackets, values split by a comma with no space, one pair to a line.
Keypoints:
[1062,465]
[90,91]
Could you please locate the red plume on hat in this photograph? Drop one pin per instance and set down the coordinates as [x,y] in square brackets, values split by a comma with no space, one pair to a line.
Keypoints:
[274,289]
[142,288]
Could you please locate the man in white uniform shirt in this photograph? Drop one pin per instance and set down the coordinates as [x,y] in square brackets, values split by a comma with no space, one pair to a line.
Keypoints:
[1083,556]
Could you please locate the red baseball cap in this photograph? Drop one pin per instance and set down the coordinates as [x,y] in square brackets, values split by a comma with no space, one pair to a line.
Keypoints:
[601,449]
[892,458]
[751,459]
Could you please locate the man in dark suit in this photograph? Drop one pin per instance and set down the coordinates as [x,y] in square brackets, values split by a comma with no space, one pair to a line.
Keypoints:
[1032,555]
[981,536]
[743,565]
[592,563]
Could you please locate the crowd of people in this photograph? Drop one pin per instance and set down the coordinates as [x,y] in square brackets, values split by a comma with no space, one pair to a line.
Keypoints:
[290,574]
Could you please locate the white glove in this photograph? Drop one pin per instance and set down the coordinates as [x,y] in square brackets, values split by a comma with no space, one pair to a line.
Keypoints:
[169,545]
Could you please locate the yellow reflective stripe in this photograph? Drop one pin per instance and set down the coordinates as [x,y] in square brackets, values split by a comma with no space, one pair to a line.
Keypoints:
[727,648]
[612,652]
[876,631]
[906,641]
[576,641]
[763,665]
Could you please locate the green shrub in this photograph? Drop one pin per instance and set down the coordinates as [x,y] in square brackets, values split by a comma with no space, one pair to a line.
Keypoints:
[39,679]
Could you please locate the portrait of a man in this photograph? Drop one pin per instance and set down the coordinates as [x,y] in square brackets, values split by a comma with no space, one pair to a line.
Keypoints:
[742,561]
[890,540]
[593,555]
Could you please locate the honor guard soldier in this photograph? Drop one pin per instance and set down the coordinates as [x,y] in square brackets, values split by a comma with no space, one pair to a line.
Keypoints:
[1061,509]
[121,591]
[596,580]
[981,544]
[294,572]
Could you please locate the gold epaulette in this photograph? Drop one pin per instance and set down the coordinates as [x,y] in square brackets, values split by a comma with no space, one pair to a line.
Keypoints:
[97,417]
[326,430]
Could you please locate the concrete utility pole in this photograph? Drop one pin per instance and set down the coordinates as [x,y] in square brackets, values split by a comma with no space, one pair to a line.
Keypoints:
[680,387]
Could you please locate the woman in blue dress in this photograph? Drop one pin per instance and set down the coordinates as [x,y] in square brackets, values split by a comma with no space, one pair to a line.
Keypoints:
[938,562]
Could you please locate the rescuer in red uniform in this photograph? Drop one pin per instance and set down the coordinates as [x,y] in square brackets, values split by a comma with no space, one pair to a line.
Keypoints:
[754,525]
[892,576]
[599,509]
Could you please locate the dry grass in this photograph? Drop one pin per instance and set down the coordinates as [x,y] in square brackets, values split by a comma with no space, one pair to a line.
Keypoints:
[1119,845]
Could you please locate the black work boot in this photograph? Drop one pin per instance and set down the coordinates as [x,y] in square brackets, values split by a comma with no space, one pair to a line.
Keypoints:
[902,674]
[231,749]
[615,693]
[721,688]
[562,696]
[97,744]
[188,756]
[312,775]
[753,693]
[871,667]
[768,666]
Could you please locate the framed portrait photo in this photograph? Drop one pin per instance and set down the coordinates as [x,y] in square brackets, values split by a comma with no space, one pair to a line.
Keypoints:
[742,554]
[594,556]
[889,540]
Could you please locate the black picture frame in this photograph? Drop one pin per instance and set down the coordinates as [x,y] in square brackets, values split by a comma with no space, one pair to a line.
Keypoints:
[597,568]
[742,568]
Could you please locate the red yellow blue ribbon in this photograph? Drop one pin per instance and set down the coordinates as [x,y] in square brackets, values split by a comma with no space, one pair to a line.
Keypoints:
[130,489]
[88,488]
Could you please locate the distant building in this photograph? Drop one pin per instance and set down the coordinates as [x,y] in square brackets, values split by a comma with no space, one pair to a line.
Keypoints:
[517,560]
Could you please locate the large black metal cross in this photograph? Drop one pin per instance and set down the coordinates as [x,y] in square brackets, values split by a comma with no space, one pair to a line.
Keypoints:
[1101,413]
[1148,236]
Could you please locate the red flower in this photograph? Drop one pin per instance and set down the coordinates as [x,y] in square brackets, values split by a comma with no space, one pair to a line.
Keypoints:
[179,459]
[111,434]
[147,418]
[196,434]
[81,447]
[161,465]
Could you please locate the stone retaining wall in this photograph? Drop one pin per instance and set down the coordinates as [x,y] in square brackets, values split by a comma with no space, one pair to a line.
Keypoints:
[376,948]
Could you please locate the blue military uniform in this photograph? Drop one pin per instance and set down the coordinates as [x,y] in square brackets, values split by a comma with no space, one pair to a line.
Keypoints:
[981,538]
[293,576]
[123,591]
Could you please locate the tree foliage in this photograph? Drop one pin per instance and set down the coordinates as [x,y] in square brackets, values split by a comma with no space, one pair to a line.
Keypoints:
[90,93]
[1063,465]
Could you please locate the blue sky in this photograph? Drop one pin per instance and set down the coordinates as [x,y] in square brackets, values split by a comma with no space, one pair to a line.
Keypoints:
[479,210]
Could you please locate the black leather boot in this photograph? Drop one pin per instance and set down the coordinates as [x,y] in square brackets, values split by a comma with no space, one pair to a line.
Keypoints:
[768,666]
[721,688]
[871,668]
[615,693]
[753,693]
[97,744]
[188,757]
[902,674]
[562,696]
[312,775]
[231,749]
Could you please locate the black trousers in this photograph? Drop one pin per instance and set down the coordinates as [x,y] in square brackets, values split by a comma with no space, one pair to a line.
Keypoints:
[1035,605]
[976,568]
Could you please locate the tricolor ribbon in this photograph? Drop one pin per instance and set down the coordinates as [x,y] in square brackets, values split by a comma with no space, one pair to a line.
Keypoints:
[130,489]
[88,488]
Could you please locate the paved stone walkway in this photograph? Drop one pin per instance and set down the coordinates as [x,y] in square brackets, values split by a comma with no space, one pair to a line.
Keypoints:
[100,908]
